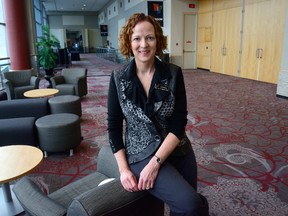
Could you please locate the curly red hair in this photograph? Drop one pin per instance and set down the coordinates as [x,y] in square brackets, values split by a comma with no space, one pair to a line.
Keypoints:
[127,31]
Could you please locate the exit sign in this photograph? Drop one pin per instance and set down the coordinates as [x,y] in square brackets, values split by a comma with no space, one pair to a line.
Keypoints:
[191,5]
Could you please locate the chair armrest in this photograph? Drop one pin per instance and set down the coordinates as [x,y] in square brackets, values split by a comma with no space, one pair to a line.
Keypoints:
[82,86]
[106,163]
[56,80]
[102,200]
[80,79]
[7,82]
[35,81]
[34,201]
[9,89]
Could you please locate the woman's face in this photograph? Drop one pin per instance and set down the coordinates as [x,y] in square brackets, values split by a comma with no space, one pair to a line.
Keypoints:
[143,42]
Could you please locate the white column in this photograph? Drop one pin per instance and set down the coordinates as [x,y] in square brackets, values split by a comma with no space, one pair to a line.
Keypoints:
[282,86]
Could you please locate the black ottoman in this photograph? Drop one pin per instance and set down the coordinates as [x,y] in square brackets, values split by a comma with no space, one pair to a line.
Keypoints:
[65,104]
[59,132]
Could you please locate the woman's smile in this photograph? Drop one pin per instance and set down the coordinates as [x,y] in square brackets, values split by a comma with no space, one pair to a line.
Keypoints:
[144,52]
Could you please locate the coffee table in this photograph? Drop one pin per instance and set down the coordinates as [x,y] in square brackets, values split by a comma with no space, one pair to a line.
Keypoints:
[15,162]
[38,93]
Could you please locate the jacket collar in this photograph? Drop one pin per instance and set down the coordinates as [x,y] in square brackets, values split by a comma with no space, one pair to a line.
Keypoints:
[157,94]
[162,73]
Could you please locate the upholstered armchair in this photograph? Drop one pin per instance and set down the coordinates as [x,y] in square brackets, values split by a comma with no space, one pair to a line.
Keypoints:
[86,197]
[17,82]
[72,81]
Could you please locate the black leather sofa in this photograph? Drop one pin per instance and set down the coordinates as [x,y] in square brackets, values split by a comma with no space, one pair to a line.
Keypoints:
[17,120]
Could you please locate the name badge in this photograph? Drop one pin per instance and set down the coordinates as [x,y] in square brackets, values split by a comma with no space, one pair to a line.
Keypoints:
[161,87]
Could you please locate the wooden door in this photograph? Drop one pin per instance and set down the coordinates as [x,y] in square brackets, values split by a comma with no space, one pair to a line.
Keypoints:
[232,39]
[226,40]
[189,48]
[204,34]
[218,41]
[262,40]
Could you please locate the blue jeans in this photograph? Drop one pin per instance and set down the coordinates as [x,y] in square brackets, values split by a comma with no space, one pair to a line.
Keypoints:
[176,185]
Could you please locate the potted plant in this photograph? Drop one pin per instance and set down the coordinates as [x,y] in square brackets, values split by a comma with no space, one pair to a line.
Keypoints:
[46,45]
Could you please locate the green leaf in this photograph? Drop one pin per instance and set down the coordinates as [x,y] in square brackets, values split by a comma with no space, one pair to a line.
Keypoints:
[45,46]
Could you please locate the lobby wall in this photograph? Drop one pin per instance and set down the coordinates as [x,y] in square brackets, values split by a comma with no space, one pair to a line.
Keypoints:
[86,24]
[174,11]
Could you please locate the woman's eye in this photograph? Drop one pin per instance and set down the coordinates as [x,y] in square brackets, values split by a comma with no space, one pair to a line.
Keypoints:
[151,38]
[136,39]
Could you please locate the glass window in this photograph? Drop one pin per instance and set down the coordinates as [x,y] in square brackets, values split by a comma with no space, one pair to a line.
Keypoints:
[1,12]
[37,4]
[37,15]
[38,18]
[38,30]
[3,42]
[45,22]
[4,60]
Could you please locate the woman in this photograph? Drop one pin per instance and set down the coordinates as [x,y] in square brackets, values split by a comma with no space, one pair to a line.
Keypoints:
[150,95]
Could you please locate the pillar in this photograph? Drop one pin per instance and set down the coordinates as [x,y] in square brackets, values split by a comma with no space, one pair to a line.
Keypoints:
[17,34]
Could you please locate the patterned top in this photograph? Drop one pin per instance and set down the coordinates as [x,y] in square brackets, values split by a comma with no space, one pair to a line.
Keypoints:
[149,119]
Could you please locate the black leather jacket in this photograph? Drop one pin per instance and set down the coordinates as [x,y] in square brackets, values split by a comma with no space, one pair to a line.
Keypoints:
[148,120]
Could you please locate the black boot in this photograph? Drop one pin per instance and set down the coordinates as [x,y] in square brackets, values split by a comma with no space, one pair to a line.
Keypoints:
[204,208]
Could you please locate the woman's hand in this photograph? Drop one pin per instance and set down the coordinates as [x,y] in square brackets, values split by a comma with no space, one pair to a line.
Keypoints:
[128,180]
[148,175]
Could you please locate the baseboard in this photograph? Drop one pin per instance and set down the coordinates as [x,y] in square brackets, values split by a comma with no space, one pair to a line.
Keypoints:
[281,96]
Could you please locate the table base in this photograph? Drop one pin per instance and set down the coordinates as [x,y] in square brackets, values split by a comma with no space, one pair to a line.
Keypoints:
[9,208]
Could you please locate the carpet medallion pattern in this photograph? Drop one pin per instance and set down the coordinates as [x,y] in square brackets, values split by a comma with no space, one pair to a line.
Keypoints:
[238,129]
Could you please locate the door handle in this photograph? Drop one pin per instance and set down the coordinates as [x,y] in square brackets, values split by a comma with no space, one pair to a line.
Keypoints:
[224,51]
[259,53]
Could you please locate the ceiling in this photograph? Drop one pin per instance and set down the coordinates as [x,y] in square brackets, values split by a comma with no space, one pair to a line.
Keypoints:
[74,5]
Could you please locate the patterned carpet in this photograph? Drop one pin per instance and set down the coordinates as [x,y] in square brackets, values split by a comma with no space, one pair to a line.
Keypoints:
[238,129]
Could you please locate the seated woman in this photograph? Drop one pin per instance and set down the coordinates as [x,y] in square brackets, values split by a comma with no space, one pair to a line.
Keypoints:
[150,95]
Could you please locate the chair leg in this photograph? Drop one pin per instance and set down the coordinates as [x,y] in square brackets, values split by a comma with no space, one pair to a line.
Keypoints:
[45,154]
[71,152]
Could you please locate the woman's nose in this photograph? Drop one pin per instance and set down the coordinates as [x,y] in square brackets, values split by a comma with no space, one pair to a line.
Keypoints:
[143,42]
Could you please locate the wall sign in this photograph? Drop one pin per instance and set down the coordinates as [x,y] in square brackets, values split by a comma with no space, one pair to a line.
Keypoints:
[155,9]
[104,30]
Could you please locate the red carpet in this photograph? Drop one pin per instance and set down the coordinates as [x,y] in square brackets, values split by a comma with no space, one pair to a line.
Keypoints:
[238,129]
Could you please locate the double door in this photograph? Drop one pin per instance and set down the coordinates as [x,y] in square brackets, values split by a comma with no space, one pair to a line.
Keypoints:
[247,38]
[263,40]
[226,41]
